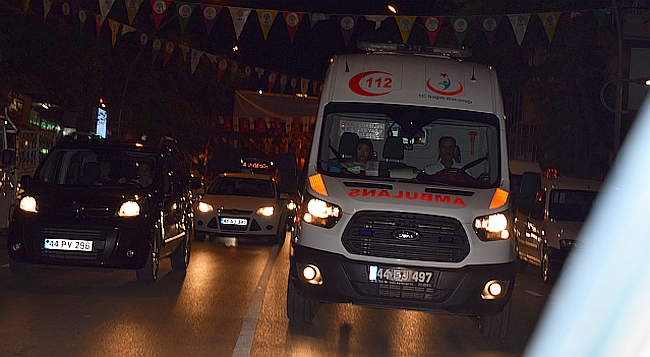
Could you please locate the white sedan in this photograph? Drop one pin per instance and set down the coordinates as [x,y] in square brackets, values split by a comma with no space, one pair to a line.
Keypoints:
[242,205]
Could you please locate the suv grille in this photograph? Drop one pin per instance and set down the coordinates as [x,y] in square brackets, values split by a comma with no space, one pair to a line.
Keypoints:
[406,236]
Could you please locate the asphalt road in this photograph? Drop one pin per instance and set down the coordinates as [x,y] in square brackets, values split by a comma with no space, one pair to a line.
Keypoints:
[231,302]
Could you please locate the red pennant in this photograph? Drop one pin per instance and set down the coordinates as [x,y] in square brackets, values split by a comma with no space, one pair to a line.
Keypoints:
[273,77]
[293,21]
[227,123]
[432,24]
[260,125]
[277,126]
[99,21]
[159,8]
[169,49]
[295,125]
[223,65]
[243,125]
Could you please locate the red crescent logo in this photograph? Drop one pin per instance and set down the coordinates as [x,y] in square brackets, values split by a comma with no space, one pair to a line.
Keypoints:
[456,92]
[382,82]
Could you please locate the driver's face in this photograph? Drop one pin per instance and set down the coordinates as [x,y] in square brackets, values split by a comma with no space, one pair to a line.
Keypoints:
[447,149]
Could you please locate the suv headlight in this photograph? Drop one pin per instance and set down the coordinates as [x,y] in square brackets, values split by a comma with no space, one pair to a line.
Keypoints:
[129,209]
[321,213]
[266,211]
[29,204]
[492,227]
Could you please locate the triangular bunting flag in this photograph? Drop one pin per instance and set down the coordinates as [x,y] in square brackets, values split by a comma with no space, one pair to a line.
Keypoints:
[432,25]
[210,14]
[239,16]
[159,8]
[127,29]
[65,8]
[47,6]
[519,24]
[169,50]
[266,18]
[315,17]
[460,24]
[549,20]
[99,21]
[105,7]
[156,45]
[347,23]
[144,39]
[260,72]
[575,14]
[271,81]
[185,10]
[377,19]
[601,15]
[115,29]
[185,49]
[283,83]
[304,85]
[293,21]
[195,58]
[489,25]
[221,69]
[132,8]
[405,24]
[294,84]
[212,58]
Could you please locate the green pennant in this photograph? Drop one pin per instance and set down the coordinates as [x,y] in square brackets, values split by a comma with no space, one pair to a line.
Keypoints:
[156,46]
[460,24]
[185,10]
[83,16]
[601,15]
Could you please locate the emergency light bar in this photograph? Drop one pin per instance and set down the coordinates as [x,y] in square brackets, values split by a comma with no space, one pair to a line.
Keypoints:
[393,47]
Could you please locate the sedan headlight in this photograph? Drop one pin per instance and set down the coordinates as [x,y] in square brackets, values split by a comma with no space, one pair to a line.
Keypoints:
[291,206]
[322,213]
[28,204]
[129,209]
[492,227]
[204,207]
[266,211]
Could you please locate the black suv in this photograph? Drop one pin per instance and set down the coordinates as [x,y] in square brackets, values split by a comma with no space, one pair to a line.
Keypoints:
[104,203]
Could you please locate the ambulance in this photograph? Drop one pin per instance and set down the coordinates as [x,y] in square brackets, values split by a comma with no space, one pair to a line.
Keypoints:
[390,232]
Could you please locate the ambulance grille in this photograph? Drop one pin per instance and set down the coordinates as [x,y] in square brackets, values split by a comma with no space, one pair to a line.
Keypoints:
[406,236]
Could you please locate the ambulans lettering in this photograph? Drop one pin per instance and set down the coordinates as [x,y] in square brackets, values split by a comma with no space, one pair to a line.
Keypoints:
[371,83]
[444,86]
[355,192]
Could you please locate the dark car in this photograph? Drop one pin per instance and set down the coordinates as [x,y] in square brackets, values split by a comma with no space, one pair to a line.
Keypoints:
[103,203]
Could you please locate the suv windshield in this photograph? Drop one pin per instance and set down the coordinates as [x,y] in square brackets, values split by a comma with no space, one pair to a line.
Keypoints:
[415,144]
[97,167]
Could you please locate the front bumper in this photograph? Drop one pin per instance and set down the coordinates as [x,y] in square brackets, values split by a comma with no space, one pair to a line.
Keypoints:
[117,242]
[455,291]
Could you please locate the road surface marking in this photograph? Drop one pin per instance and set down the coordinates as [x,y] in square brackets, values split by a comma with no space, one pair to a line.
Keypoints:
[247,332]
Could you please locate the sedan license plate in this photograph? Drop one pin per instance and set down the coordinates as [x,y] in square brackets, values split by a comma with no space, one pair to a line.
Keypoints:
[68,244]
[398,275]
[234,221]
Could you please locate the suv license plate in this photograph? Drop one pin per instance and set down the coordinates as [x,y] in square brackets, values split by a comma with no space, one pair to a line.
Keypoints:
[234,221]
[68,244]
[380,274]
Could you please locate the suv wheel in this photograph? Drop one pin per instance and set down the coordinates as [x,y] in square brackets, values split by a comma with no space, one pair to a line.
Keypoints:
[149,272]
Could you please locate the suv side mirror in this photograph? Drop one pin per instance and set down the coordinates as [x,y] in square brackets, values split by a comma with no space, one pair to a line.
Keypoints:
[531,184]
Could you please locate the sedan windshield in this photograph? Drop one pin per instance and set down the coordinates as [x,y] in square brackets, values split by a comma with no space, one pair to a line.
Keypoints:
[415,144]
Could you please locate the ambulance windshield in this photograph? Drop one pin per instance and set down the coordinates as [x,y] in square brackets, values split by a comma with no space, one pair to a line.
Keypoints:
[407,143]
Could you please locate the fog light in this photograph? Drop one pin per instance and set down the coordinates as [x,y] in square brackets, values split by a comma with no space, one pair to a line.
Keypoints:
[16,246]
[129,253]
[269,227]
[492,290]
[312,274]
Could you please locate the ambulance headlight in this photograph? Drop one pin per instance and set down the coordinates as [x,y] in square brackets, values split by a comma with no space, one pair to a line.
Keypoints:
[321,213]
[28,204]
[492,227]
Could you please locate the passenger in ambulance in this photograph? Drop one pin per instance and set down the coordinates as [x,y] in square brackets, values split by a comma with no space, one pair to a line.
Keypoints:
[363,152]
[446,156]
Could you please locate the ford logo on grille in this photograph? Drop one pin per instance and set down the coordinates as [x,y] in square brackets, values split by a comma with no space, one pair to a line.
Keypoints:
[406,234]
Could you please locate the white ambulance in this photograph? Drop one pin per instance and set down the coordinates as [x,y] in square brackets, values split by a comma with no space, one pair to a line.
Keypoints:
[390,231]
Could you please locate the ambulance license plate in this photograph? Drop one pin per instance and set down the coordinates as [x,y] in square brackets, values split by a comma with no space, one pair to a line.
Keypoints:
[381,274]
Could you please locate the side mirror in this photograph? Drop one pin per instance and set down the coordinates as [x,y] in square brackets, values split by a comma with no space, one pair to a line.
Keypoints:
[196,182]
[8,156]
[25,181]
[284,196]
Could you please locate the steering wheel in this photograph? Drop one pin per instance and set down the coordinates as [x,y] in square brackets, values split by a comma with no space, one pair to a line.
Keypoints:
[453,174]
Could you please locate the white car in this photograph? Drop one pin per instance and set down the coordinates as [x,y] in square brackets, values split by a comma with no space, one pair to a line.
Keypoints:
[242,205]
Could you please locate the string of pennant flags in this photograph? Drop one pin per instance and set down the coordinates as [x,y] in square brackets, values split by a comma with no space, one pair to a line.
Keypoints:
[239,17]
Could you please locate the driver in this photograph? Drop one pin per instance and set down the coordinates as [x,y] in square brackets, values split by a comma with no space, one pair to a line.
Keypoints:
[446,153]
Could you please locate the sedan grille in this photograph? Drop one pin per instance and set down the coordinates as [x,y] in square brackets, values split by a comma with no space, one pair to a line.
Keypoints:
[406,236]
